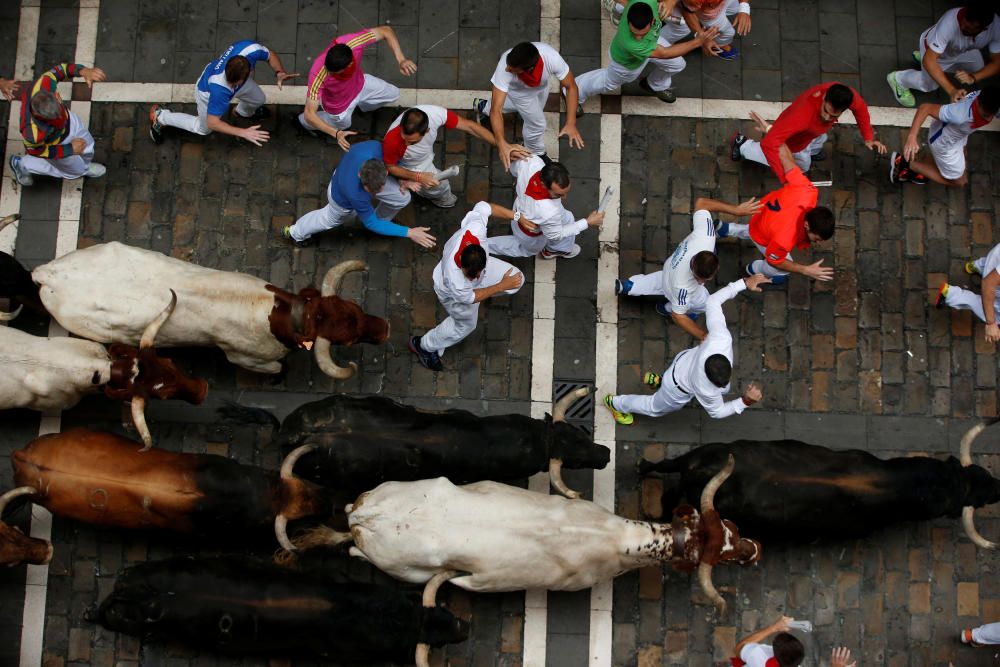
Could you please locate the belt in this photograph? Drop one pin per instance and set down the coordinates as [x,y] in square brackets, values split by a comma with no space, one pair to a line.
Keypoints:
[673,373]
[528,231]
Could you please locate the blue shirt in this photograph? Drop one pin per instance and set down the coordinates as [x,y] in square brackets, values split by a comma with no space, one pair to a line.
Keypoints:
[213,79]
[347,191]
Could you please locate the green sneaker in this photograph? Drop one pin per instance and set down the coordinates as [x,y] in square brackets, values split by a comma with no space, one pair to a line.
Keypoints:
[651,379]
[902,95]
[916,57]
[970,268]
[623,418]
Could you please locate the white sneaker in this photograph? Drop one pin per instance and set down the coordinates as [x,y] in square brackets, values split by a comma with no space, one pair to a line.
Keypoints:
[95,170]
[611,6]
[569,254]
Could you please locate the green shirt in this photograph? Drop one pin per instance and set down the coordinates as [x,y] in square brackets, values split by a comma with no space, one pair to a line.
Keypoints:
[628,51]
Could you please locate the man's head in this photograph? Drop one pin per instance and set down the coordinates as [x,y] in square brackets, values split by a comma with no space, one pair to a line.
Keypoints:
[719,370]
[473,261]
[989,101]
[555,177]
[788,650]
[640,19]
[976,17]
[820,224]
[522,58]
[237,70]
[414,125]
[46,105]
[338,57]
[704,265]
[837,100]
[373,174]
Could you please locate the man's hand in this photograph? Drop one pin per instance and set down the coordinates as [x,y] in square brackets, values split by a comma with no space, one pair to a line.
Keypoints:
[958,94]
[254,135]
[506,152]
[781,625]
[427,180]
[407,67]
[877,146]
[665,7]
[8,87]
[707,36]
[742,23]
[911,148]
[92,74]
[754,282]
[341,137]
[420,236]
[281,77]
[749,207]
[992,333]
[595,219]
[78,146]
[511,280]
[711,49]
[412,186]
[762,125]
[964,77]
[570,132]
[751,395]
[817,272]
[840,658]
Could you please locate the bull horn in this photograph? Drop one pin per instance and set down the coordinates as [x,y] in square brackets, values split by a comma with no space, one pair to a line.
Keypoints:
[562,405]
[705,579]
[331,281]
[153,328]
[9,220]
[16,493]
[969,523]
[281,532]
[139,419]
[965,447]
[708,493]
[288,465]
[422,656]
[7,317]
[555,478]
[321,350]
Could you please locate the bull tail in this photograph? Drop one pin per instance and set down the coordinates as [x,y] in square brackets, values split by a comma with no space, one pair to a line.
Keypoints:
[242,414]
[16,283]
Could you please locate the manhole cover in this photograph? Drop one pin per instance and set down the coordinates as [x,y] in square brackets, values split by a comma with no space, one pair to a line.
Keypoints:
[581,413]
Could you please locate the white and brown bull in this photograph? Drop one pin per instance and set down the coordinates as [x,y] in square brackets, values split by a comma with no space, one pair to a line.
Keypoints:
[55,373]
[103,293]
[491,537]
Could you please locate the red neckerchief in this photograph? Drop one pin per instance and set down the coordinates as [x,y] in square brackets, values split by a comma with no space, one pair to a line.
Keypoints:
[468,239]
[536,189]
[977,116]
[533,77]
[345,74]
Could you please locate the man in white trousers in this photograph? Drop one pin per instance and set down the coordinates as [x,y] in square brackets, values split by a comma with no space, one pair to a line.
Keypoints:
[984,635]
[465,277]
[701,372]
[541,224]
[228,78]
[692,264]
[521,84]
[987,305]
[691,16]
[408,150]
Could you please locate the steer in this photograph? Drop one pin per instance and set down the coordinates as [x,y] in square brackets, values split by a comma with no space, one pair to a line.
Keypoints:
[490,537]
[16,547]
[243,607]
[356,443]
[799,492]
[103,293]
[55,373]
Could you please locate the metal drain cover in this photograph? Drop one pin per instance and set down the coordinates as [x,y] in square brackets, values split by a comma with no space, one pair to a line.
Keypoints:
[581,413]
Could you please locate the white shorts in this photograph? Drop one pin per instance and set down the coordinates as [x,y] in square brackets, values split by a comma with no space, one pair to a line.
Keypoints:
[948,155]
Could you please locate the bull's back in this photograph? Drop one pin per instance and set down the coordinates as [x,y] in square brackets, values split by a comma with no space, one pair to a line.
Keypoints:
[48,373]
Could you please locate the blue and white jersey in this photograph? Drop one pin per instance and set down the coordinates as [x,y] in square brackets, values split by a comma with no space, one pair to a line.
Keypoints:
[679,284]
[957,121]
[213,79]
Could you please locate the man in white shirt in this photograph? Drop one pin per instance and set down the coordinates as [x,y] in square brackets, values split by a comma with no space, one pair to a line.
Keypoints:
[691,16]
[521,84]
[541,225]
[952,45]
[784,651]
[692,264]
[465,276]
[408,150]
[701,372]
[987,305]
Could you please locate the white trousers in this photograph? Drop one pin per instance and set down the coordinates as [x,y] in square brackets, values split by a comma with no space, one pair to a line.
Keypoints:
[249,98]
[651,284]
[375,93]
[390,202]
[668,398]
[759,265]
[519,244]
[964,299]
[530,105]
[675,32]
[612,77]
[462,317]
[442,191]
[987,634]
[751,150]
[919,79]
[73,166]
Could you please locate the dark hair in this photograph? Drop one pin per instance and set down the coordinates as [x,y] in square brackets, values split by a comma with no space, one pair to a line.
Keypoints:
[640,15]
[821,222]
[237,69]
[788,650]
[980,12]
[473,260]
[719,370]
[555,173]
[989,100]
[373,174]
[523,56]
[839,96]
[704,264]
[338,57]
[414,120]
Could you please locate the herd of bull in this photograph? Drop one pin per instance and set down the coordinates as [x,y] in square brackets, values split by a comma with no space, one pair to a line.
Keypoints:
[423,491]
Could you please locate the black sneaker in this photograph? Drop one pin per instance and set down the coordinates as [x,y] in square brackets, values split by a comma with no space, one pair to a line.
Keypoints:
[429,360]
[737,140]
[155,127]
[261,113]
[666,95]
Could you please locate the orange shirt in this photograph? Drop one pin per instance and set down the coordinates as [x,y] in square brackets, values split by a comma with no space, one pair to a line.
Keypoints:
[780,225]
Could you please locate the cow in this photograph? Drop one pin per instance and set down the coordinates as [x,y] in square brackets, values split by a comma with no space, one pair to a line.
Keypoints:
[491,537]
[17,548]
[240,606]
[797,492]
[55,373]
[356,443]
[106,293]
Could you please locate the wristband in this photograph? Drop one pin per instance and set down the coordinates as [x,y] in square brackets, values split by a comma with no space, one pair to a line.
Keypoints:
[744,8]
[517,216]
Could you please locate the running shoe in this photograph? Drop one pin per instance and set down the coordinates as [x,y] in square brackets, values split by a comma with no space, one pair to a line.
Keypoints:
[622,287]
[651,379]
[429,360]
[732,54]
[623,418]
[286,233]
[737,140]
[666,95]
[22,175]
[155,126]
[663,308]
[611,7]
[95,170]
[902,95]
[971,268]
[966,637]
[942,294]
[552,254]
[479,108]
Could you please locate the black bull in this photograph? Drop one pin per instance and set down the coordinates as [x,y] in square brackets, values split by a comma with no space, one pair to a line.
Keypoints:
[797,492]
[238,606]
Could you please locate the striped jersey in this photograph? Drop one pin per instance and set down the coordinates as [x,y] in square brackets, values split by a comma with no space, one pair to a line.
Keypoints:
[42,137]
[956,121]
[336,91]
[679,281]
[213,78]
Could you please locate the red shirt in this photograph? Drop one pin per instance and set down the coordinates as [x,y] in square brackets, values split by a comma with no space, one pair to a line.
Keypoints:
[780,225]
[800,123]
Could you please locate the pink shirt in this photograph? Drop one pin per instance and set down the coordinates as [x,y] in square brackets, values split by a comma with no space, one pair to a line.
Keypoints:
[335,94]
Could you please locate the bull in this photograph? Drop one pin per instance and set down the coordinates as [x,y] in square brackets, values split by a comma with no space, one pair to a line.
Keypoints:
[239,606]
[102,293]
[356,443]
[55,373]
[788,489]
[16,547]
[490,537]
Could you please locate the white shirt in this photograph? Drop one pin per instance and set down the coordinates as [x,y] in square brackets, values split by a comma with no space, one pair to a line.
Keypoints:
[955,123]
[421,153]
[678,279]
[756,655]
[553,64]
[549,214]
[946,39]
[992,264]
[448,276]
[689,365]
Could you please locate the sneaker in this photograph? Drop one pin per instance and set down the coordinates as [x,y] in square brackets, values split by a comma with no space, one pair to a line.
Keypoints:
[916,57]
[446,202]
[611,7]
[748,270]
[819,157]
[95,170]
[942,294]
[579,110]
[731,54]
[663,308]
[737,140]
[902,95]
[155,127]
[721,229]
[623,418]
[966,637]
[551,254]
[896,164]
[667,95]
[776,281]
[21,175]
[286,233]
[971,268]
[429,360]
[622,287]
[261,113]
[479,108]
[651,379]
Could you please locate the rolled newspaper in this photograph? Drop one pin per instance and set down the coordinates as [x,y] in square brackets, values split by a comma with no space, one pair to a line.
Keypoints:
[605,198]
